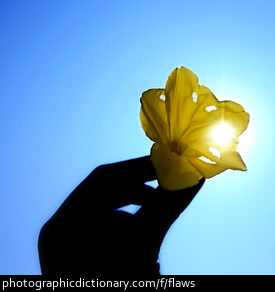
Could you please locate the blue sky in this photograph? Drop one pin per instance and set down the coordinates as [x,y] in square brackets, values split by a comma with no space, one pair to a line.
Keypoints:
[71,75]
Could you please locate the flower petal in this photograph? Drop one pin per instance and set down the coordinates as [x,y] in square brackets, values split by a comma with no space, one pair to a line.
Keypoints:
[207,170]
[226,160]
[203,123]
[180,86]
[153,116]
[231,159]
[174,171]
[238,121]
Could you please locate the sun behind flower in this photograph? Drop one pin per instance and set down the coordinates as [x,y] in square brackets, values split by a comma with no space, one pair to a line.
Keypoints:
[195,134]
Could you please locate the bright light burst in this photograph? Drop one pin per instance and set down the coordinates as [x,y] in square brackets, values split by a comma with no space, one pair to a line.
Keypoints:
[222,133]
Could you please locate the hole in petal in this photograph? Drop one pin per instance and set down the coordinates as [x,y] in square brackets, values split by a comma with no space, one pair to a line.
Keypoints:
[215,152]
[211,108]
[202,158]
[195,96]
[162,97]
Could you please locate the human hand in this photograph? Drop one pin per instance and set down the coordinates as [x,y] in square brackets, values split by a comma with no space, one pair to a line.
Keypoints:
[87,236]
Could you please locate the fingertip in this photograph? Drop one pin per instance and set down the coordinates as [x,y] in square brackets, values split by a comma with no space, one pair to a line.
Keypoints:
[202,181]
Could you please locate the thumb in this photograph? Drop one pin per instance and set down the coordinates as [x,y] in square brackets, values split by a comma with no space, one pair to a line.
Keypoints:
[157,216]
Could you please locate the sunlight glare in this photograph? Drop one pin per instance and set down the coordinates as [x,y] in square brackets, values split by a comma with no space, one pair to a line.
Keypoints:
[222,133]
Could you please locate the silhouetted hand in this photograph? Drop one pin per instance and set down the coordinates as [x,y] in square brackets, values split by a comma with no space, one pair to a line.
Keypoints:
[86,236]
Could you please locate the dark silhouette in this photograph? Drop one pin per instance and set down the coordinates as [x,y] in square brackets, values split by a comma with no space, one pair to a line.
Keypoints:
[86,236]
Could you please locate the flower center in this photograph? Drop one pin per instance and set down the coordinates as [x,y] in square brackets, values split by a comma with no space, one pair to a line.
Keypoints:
[175,147]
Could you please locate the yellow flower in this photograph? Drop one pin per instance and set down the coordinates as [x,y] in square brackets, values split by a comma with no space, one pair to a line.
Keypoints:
[195,134]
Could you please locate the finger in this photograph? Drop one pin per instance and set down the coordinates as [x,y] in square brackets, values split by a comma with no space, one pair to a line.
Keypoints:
[157,216]
[134,170]
[178,201]
[111,186]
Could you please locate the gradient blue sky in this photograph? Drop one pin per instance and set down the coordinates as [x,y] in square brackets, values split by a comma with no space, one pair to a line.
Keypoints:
[71,75]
